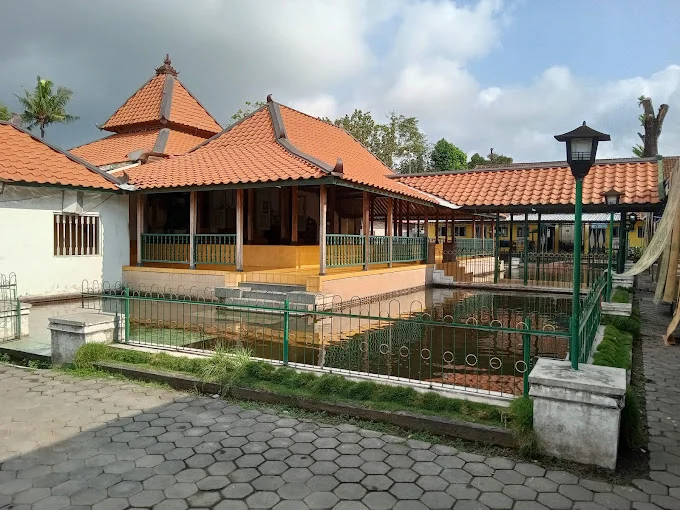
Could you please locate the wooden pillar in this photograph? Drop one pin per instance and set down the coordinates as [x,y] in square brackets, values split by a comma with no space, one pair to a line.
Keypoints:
[453,233]
[251,215]
[141,200]
[294,215]
[556,241]
[426,220]
[372,212]
[400,218]
[436,226]
[323,205]
[509,270]
[366,229]
[408,219]
[239,229]
[192,229]
[284,210]
[389,225]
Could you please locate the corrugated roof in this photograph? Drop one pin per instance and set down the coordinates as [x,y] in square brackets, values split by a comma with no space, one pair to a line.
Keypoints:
[25,158]
[637,179]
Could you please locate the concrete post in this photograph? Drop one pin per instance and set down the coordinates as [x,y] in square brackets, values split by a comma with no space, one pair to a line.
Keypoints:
[70,332]
[577,413]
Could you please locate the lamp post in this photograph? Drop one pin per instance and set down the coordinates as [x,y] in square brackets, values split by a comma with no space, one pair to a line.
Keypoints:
[611,198]
[581,150]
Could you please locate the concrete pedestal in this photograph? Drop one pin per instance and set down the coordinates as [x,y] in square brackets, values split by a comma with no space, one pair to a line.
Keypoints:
[619,309]
[69,332]
[577,414]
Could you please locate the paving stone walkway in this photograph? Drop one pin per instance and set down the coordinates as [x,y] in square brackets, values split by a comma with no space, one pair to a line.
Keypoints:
[111,445]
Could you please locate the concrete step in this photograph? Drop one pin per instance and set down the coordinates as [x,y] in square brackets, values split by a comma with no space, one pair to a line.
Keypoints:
[272,287]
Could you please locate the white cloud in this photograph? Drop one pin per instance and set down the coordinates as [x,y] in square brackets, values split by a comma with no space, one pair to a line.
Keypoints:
[322,105]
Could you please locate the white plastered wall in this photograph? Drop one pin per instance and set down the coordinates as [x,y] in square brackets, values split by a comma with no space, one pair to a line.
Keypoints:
[27,239]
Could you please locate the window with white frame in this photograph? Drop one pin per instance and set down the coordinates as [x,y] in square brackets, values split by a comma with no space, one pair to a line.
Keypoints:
[76,234]
[460,231]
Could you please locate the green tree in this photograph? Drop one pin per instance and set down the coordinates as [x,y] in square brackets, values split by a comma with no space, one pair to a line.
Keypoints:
[360,125]
[249,108]
[44,106]
[446,156]
[5,114]
[492,159]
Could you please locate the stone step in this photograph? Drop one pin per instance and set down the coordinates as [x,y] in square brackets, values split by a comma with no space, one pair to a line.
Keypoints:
[272,287]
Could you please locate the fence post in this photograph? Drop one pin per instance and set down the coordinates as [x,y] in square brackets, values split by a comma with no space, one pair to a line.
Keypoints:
[526,249]
[18,330]
[286,317]
[497,250]
[126,312]
[526,355]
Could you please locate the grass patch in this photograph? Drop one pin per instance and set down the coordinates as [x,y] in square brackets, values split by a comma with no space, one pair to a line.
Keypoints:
[522,422]
[626,324]
[620,295]
[234,368]
[615,350]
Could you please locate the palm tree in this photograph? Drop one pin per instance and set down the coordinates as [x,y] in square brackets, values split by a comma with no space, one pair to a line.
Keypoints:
[44,107]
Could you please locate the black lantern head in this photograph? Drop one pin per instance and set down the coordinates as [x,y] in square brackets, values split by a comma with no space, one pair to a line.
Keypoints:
[582,148]
[631,220]
[612,197]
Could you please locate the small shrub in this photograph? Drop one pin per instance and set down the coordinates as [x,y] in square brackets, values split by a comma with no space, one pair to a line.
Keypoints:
[632,430]
[331,385]
[226,366]
[436,403]
[396,394]
[287,377]
[615,349]
[4,358]
[362,390]
[522,422]
[620,295]
[628,324]
[89,354]
[258,370]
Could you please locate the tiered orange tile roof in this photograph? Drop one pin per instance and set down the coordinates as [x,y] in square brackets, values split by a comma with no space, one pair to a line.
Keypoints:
[535,184]
[162,103]
[163,99]
[274,143]
[245,152]
[25,159]
[117,147]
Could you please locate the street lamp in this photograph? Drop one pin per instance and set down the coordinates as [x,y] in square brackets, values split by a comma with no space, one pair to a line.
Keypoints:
[581,150]
[611,198]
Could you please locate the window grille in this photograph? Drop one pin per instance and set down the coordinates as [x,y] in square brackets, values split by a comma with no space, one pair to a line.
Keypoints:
[76,234]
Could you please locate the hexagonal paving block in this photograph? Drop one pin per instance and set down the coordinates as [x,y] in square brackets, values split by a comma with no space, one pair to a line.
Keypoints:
[204,460]
[496,501]
[462,491]
[297,475]
[125,489]
[212,483]
[541,484]
[561,477]
[432,483]
[321,500]
[557,501]
[349,491]
[328,454]
[322,483]
[379,500]
[243,475]
[373,455]
[437,500]
[254,447]
[527,469]
[299,461]
[520,492]
[268,483]
[375,468]
[576,492]
[237,490]
[221,468]
[181,490]
[147,498]
[293,491]
[262,500]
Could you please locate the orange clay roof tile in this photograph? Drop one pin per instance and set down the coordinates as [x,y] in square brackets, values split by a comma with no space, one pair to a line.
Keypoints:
[115,148]
[547,185]
[162,100]
[246,152]
[26,159]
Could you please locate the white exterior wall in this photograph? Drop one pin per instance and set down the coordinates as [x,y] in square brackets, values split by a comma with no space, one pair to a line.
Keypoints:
[27,239]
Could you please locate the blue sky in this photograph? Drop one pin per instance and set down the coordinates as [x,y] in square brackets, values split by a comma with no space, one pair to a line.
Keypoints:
[506,74]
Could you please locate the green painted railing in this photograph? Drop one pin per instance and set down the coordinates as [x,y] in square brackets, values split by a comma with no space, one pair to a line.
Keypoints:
[215,248]
[474,245]
[589,320]
[379,250]
[344,250]
[409,249]
[165,248]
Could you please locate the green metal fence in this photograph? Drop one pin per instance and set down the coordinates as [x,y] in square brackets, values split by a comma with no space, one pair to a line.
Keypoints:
[166,248]
[589,318]
[478,246]
[215,248]
[344,250]
[379,251]
[488,351]
[409,249]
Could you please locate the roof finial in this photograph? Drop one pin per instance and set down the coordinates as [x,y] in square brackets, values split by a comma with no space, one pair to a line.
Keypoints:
[166,68]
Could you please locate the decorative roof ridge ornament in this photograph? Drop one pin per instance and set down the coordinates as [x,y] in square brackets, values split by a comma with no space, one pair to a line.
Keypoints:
[166,68]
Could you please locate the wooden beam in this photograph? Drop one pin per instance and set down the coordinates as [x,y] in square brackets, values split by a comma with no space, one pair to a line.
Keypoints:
[141,200]
[436,226]
[283,211]
[239,230]
[366,228]
[294,215]
[193,196]
[389,225]
[251,215]
[372,213]
[323,205]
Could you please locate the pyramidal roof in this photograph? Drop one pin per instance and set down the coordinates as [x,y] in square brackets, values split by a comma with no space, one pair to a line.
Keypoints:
[163,102]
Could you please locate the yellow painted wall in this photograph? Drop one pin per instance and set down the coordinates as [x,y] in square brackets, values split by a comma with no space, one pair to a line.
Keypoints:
[266,256]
